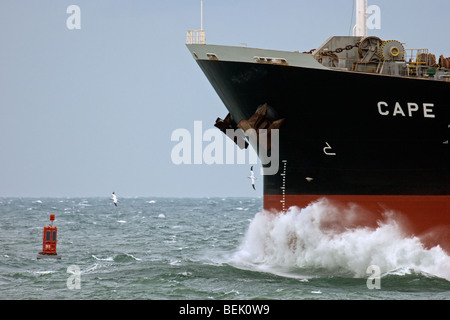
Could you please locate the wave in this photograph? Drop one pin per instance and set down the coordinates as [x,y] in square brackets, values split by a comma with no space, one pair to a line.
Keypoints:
[40,273]
[322,239]
[103,259]
[121,257]
[126,257]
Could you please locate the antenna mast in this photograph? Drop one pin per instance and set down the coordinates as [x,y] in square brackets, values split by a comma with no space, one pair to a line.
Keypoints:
[201,15]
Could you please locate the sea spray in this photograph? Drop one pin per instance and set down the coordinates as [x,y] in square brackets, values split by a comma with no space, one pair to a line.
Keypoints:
[323,238]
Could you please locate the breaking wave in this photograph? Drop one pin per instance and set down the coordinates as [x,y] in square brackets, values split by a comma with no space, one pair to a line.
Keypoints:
[327,240]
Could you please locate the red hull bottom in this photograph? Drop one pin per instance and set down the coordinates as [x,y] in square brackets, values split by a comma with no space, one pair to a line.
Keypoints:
[427,217]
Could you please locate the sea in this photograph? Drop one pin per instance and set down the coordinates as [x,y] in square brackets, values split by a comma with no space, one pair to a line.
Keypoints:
[208,249]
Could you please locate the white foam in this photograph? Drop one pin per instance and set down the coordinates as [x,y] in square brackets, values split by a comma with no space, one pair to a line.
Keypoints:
[321,237]
[103,259]
[44,272]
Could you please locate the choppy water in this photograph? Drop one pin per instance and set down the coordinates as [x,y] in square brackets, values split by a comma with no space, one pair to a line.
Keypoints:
[207,249]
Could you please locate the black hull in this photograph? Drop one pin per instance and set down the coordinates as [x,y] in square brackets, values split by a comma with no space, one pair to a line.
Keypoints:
[337,132]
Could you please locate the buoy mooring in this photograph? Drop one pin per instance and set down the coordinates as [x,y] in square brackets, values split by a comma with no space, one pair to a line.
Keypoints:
[49,241]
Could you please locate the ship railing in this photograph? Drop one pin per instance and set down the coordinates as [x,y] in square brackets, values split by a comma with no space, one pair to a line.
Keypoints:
[420,56]
[195,37]
[418,59]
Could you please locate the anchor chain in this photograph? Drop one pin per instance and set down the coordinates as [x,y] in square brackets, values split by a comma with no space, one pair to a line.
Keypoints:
[338,50]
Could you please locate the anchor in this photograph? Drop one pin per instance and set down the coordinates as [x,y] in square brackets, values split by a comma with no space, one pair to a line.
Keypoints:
[261,123]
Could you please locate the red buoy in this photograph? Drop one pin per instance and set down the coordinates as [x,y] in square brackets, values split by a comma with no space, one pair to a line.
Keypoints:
[49,240]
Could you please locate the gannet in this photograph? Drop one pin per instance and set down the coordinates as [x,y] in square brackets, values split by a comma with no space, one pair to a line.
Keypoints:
[252,177]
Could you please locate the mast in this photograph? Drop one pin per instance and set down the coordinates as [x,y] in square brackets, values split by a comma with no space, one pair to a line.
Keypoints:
[360,29]
[197,36]
[201,15]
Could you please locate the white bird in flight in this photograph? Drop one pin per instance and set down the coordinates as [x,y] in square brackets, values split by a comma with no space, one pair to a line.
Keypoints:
[114,198]
[252,177]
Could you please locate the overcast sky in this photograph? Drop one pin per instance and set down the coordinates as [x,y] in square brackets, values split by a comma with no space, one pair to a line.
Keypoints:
[90,111]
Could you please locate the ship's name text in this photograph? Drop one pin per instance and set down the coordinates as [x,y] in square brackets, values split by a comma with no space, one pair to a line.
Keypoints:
[410,109]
